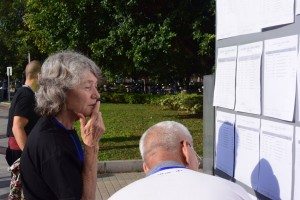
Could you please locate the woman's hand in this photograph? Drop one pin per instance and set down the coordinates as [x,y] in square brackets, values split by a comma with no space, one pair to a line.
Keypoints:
[91,130]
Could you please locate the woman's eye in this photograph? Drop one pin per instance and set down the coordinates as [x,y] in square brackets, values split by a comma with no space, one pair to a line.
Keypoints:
[90,87]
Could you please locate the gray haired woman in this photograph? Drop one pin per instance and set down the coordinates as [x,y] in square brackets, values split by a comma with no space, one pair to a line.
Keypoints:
[53,164]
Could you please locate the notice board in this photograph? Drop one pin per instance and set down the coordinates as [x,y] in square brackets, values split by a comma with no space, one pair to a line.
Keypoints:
[256,96]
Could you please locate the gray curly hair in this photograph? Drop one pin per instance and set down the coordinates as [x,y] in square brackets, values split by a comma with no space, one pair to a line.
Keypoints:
[60,72]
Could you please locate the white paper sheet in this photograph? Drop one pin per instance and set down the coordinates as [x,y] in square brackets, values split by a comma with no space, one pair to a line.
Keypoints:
[297,164]
[297,3]
[238,17]
[248,16]
[275,175]
[226,19]
[252,196]
[280,62]
[298,87]
[248,78]
[277,12]
[247,150]
[225,142]
[224,93]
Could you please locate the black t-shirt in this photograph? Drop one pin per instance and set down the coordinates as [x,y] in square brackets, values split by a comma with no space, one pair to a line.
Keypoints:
[23,105]
[51,164]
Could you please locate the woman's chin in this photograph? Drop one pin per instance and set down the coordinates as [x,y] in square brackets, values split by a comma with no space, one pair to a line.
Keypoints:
[87,114]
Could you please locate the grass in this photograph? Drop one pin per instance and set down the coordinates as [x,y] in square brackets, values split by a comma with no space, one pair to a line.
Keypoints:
[125,123]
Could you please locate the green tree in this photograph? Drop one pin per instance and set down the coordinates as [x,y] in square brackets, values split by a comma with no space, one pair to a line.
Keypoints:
[10,22]
[14,42]
[165,40]
[59,25]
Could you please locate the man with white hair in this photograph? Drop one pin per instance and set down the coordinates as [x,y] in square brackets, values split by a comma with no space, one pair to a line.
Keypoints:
[171,165]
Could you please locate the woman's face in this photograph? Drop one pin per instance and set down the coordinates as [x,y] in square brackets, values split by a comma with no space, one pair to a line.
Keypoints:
[83,98]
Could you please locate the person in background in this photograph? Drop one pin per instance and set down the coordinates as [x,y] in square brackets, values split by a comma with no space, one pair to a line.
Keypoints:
[18,84]
[22,117]
[171,165]
[54,165]
[4,90]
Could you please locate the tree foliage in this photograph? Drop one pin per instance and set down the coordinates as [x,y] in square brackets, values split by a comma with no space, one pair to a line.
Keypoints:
[15,43]
[10,22]
[165,40]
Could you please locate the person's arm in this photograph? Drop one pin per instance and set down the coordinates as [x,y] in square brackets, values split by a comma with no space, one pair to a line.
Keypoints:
[18,130]
[91,132]
[89,173]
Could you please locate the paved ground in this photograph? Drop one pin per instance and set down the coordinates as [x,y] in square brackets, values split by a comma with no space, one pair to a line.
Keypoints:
[107,183]
[4,174]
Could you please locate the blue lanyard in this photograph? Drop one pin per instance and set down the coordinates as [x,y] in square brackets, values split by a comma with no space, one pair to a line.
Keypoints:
[170,167]
[164,168]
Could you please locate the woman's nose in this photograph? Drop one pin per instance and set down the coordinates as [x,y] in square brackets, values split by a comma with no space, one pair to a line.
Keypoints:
[96,94]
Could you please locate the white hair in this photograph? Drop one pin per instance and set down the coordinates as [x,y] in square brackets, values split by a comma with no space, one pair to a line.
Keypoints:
[168,135]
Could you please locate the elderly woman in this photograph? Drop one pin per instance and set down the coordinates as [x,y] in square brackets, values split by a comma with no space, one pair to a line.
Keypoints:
[53,164]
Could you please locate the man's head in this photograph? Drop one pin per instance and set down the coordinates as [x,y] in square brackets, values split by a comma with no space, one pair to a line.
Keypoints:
[33,69]
[168,141]
[31,73]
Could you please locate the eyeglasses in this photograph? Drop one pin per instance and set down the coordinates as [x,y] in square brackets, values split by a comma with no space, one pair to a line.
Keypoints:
[199,159]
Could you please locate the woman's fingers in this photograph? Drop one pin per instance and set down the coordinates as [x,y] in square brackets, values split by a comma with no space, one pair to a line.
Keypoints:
[94,128]
[96,110]
[82,121]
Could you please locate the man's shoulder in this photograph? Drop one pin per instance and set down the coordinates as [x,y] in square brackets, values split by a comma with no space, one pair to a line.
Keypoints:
[173,183]
[23,92]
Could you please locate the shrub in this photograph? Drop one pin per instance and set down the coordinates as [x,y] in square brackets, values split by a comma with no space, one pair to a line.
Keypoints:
[107,97]
[135,98]
[191,103]
[131,98]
